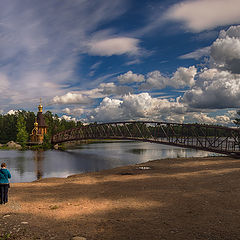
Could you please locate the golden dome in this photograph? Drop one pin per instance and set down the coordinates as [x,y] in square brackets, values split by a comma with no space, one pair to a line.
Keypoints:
[35,124]
[40,107]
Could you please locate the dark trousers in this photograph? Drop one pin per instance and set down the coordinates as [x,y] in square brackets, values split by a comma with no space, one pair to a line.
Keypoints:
[3,193]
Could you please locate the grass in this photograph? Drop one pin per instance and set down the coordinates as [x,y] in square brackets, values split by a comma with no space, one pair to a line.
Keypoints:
[5,236]
[5,148]
[54,207]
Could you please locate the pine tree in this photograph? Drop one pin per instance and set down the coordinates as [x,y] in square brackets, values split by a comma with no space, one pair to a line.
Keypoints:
[22,135]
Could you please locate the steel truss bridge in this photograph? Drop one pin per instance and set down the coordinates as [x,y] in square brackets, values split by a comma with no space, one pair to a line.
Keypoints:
[198,136]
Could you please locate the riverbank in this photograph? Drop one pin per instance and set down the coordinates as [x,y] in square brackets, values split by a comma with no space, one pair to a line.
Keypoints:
[188,198]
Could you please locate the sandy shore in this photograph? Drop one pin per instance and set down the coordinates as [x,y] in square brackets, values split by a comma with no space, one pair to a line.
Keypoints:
[192,198]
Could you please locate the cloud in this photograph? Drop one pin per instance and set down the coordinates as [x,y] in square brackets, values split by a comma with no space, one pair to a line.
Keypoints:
[68,118]
[133,62]
[206,35]
[200,15]
[197,54]
[232,114]
[107,89]
[48,48]
[4,83]
[225,51]
[216,89]
[75,111]
[72,98]
[108,110]
[114,46]
[203,118]
[94,67]
[218,86]
[223,119]
[86,97]
[130,77]
[135,106]
[13,112]
[183,77]
[144,106]
[175,118]
[155,80]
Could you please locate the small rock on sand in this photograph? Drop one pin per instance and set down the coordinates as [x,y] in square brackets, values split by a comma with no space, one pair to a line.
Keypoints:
[79,238]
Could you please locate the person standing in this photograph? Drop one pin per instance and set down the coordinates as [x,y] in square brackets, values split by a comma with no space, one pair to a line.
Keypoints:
[4,183]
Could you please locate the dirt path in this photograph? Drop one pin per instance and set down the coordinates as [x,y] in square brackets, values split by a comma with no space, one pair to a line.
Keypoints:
[183,199]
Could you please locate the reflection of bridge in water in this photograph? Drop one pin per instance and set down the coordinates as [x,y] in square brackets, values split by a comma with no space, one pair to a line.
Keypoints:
[204,137]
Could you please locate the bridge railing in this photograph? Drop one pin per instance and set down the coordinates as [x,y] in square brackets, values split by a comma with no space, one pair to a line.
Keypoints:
[205,137]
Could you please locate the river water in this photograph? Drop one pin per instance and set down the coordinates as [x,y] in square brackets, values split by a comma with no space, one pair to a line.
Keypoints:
[27,166]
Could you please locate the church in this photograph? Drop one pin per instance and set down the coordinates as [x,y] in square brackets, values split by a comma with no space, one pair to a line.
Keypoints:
[40,127]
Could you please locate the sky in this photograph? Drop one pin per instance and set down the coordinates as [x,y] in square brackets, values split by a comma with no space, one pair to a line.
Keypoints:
[106,61]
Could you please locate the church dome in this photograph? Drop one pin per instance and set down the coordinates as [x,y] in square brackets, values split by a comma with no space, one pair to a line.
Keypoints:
[40,107]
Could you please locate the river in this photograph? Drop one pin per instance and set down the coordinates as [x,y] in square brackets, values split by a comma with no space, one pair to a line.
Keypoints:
[27,166]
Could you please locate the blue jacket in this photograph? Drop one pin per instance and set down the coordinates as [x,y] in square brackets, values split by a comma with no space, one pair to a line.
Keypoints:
[4,175]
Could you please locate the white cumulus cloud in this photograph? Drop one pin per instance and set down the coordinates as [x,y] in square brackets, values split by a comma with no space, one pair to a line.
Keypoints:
[13,112]
[130,77]
[68,118]
[108,110]
[223,119]
[135,106]
[218,86]
[203,118]
[155,80]
[74,111]
[183,77]
[216,89]
[72,98]
[225,51]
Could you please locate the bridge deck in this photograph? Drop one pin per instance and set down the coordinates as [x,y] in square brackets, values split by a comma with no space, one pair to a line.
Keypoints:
[205,137]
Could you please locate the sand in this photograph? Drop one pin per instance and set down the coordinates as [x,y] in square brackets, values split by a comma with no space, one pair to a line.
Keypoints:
[183,198]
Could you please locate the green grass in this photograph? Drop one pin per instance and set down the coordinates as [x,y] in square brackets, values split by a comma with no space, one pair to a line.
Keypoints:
[6,236]
[54,207]
[5,148]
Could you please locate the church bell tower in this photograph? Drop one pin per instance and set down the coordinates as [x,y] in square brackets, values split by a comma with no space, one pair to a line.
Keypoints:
[40,127]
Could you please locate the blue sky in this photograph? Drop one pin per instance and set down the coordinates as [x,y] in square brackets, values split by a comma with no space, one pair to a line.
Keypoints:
[104,60]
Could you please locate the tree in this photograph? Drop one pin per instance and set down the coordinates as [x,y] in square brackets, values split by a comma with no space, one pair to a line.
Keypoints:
[237,120]
[47,141]
[22,135]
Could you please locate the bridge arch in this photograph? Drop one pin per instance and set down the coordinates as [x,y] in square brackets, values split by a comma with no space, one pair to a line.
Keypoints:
[212,138]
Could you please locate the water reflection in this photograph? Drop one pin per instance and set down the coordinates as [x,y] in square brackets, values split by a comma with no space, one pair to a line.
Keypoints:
[38,158]
[137,151]
[27,166]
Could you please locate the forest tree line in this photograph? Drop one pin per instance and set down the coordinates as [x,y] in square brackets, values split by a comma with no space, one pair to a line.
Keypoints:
[11,124]
[18,127]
